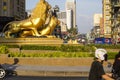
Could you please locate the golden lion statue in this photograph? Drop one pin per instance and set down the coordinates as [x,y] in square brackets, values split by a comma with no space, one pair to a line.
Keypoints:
[41,23]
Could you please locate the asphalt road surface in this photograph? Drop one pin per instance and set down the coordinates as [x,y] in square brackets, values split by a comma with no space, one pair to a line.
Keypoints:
[42,78]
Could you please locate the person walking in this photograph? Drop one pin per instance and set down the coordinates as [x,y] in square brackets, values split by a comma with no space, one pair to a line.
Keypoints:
[97,71]
[116,67]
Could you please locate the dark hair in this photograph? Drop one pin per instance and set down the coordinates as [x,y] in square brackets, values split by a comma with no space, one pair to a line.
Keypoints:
[106,57]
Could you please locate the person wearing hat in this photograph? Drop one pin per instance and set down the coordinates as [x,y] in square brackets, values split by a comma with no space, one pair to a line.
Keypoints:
[97,71]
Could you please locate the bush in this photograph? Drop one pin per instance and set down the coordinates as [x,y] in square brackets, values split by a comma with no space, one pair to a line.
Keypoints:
[71,48]
[63,50]
[38,47]
[11,46]
[55,54]
[66,48]
[106,46]
[3,49]
[111,55]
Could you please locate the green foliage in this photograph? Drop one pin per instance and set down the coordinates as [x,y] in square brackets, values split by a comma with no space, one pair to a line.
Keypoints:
[55,54]
[106,46]
[12,46]
[70,48]
[38,47]
[3,49]
[62,50]
[111,55]
[65,48]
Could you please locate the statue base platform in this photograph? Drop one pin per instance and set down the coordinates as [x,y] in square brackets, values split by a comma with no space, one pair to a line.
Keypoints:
[32,41]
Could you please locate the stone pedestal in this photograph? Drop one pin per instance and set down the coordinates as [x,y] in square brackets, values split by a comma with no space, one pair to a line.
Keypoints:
[20,41]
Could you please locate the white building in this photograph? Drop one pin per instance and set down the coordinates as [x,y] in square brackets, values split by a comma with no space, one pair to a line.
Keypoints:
[69,19]
[71,13]
[97,18]
[97,25]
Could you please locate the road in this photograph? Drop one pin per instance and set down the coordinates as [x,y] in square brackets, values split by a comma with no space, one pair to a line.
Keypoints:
[42,78]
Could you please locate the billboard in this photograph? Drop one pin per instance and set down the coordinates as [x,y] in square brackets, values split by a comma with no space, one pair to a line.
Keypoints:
[103,41]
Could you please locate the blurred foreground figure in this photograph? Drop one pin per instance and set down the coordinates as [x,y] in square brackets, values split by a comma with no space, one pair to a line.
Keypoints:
[116,67]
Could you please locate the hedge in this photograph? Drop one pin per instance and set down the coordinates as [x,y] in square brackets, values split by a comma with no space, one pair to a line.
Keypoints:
[111,55]
[61,51]
[55,54]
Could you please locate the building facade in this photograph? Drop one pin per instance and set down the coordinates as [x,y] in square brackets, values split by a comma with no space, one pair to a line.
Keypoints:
[111,19]
[62,17]
[97,18]
[69,19]
[107,18]
[102,27]
[71,13]
[97,24]
[13,8]
[115,20]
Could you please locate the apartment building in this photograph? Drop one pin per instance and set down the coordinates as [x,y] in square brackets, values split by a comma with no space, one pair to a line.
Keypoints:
[11,10]
[115,20]
[107,18]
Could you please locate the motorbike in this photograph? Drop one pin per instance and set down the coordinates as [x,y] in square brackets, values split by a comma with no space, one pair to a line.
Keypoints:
[2,72]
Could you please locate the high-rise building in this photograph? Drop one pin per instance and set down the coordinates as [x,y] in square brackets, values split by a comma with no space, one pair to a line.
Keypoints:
[62,18]
[69,18]
[71,13]
[115,20]
[13,8]
[107,18]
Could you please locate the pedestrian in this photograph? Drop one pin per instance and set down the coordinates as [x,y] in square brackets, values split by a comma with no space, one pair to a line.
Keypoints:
[116,67]
[97,71]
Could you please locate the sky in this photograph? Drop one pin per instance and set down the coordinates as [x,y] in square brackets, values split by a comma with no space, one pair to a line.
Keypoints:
[85,10]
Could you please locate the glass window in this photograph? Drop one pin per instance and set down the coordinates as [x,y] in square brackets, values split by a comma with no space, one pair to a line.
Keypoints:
[107,12]
[107,7]
[107,17]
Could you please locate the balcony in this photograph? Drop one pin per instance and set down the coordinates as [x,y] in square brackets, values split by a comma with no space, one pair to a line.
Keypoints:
[116,4]
[108,3]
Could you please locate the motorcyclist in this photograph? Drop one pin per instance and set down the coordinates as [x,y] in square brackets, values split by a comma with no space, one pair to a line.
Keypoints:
[97,71]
